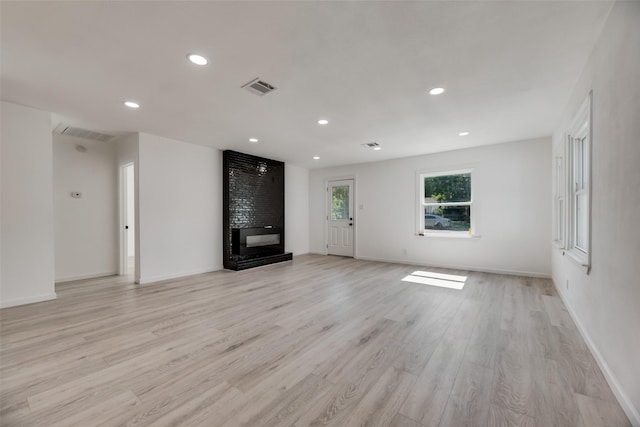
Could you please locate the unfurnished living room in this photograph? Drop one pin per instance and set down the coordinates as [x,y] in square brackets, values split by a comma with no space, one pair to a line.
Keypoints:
[320,213]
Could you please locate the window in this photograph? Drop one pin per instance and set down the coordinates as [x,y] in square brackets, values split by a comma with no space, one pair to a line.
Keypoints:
[445,203]
[340,202]
[559,203]
[579,178]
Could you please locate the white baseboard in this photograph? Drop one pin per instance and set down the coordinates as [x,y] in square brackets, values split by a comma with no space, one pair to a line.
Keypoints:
[460,267]
[28,300]
[301,253]
[625,402]
[317,253]
[86,276]
[158,278]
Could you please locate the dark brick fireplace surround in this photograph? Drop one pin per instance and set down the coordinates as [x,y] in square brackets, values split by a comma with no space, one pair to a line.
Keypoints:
[253,217]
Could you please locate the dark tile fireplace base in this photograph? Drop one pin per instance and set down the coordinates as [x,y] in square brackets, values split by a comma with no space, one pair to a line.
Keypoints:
[243,264]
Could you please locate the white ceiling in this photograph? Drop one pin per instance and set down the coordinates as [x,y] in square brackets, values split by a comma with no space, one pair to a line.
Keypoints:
[508,69]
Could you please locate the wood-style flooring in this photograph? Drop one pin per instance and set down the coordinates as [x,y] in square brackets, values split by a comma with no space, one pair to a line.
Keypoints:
[318,341]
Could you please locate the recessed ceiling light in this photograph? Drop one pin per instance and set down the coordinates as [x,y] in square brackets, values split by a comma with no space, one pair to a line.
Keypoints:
[316,157]
[323,121]
[253,139]
[436,91]
[463,133]
[377,148]
[131,104]
[197,59]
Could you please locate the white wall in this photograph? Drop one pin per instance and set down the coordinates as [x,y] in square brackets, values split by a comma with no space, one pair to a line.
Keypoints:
[606,303]
[180,208]
[127,149]
[511,190]
[296,209]
[27,265]
[85,229]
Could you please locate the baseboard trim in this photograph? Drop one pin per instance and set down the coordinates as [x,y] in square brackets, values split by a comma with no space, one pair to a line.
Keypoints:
[29,300]
[625,402]
[317,253]
[301,253]
[162,277]
[84,277]
[461,267]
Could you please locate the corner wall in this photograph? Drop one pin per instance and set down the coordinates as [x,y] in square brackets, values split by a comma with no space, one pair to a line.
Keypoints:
[605,304]
[179,208]
[27,265]
[511,195]
[296,209]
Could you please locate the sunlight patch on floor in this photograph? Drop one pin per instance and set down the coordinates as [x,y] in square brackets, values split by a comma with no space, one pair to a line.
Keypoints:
[436,279]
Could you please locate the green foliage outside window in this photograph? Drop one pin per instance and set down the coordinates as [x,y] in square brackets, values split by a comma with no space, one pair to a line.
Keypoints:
[340,202]
[450,189]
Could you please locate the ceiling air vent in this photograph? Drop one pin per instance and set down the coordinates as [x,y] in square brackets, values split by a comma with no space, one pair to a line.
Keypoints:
[372,145]
[63,129]
[259,87]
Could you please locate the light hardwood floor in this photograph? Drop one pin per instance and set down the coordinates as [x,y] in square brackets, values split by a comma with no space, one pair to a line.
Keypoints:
[318,341]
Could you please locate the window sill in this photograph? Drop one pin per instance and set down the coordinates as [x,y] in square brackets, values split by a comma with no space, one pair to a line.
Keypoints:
[449,235]
[578,258]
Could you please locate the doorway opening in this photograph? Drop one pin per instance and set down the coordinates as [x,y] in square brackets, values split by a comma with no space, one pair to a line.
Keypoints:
[340,217]
[127,221]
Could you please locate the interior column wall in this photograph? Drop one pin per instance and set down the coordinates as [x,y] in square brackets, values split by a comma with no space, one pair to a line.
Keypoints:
[179,208]
[26,231]
[296,209]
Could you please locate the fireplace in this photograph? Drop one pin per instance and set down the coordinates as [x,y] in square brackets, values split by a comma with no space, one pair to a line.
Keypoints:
[254,242]
[253,211]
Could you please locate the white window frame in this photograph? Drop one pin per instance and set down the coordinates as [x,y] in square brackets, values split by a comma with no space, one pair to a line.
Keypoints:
[421,231]
[578,178]
[559,199]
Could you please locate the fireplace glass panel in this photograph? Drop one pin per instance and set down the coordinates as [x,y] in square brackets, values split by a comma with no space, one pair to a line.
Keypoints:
[263,240]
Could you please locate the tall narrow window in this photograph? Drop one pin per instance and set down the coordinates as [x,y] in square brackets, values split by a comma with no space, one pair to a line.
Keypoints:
[445,204]
[580,185]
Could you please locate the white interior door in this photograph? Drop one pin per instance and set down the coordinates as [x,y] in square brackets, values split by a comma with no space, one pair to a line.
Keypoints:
[340,218]
[127,263]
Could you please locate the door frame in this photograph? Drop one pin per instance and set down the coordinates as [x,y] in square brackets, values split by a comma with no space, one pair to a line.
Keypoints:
[327,211]
[123,236]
